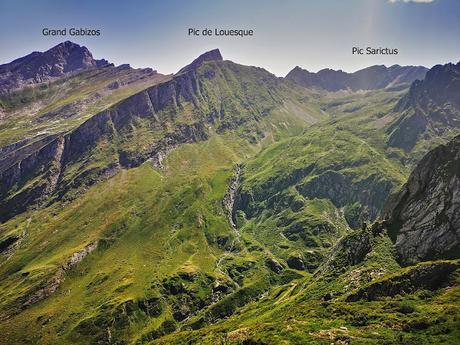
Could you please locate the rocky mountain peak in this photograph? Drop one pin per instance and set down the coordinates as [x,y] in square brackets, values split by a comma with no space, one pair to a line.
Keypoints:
[441,84]
[297,69]
[431,107]
[37,67]
[212,55]
[67,46]
[73,57]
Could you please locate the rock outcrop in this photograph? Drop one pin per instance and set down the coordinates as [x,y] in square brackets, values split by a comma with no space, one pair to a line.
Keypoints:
[430,276]
[340,188]
[55,281]
[424,217]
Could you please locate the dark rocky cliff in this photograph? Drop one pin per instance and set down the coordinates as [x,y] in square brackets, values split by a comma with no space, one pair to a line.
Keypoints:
[424,217]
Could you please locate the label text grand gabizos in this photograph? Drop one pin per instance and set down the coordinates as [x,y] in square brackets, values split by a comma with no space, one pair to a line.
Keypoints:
[71,31]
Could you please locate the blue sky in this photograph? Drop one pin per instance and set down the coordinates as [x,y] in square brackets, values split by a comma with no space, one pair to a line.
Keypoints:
[311,34]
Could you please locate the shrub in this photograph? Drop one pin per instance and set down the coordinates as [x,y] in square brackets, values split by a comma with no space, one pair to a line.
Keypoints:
[407,307]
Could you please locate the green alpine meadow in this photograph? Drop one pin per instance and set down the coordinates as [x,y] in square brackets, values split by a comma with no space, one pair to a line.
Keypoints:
[225,205]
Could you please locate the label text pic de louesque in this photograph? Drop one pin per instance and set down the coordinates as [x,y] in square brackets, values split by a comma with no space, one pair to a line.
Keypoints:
[220,32]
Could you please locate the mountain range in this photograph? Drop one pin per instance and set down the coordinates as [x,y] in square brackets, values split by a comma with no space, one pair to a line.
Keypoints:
[370,78]
[225,205]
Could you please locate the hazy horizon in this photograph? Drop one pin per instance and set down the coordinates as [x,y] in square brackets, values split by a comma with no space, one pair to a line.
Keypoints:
[312,35]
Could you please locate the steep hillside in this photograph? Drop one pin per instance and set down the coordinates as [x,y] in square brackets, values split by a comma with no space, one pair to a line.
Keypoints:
[370,78]
[300,195]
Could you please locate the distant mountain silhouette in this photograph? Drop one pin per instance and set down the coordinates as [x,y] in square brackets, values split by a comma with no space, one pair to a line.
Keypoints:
[370,78]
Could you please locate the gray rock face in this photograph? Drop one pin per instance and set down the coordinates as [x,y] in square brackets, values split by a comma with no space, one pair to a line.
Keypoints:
[341,190]
[424,217]
[296,262]
[38,67]
[274,265]
[349,251]
[371,78]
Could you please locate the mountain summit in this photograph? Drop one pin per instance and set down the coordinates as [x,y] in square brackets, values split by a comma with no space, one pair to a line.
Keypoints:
[212,55]
[37,67]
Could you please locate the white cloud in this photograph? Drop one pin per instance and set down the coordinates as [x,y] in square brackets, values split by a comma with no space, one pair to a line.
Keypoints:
[417,1]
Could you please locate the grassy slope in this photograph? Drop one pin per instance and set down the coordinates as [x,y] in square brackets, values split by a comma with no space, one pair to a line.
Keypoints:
[157,221]
[150,225]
